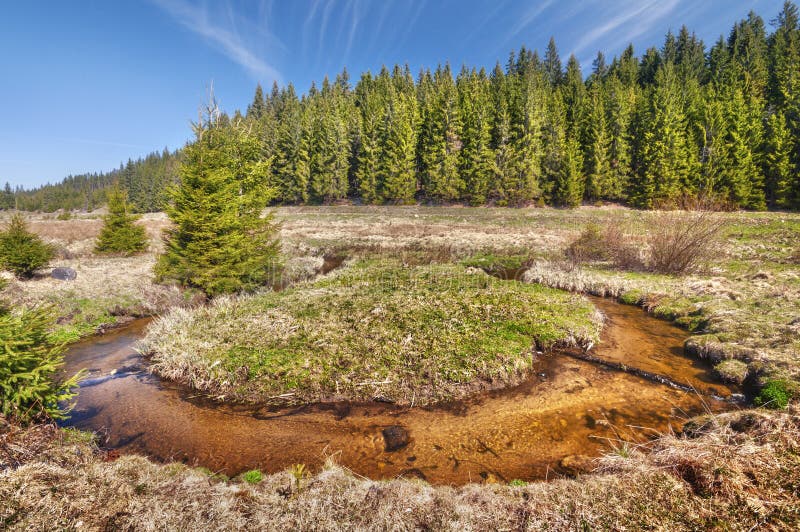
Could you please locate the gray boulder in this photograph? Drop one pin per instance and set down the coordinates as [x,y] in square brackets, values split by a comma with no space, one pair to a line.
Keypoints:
[64,274]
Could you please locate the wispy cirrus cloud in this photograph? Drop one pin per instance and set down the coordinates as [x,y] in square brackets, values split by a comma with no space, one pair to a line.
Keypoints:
[220,29]
[528,17]
[627,23]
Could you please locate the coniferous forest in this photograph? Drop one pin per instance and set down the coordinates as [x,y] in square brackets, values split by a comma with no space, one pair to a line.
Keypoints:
[682,119]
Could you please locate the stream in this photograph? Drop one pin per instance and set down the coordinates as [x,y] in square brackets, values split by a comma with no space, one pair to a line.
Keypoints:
[567,410]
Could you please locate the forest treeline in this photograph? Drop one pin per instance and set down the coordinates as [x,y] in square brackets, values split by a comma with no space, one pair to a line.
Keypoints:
[145,180]
[682,119]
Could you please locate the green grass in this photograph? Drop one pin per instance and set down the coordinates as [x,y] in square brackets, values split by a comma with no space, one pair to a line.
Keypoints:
[254,476]
[82,317]
[496,263]
[411,334]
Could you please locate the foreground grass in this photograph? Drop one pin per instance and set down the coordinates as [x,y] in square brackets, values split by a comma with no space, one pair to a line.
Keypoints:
[409,334]
[736,471]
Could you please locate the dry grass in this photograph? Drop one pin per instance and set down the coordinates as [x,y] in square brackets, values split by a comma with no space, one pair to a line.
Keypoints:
[412,335]
[735,471]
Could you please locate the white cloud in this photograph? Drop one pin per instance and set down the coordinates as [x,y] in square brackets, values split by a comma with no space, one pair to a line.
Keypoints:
[529,16]
[637,18]
[223,35]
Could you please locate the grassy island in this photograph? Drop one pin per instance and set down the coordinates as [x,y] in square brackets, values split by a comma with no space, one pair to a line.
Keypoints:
[409,334]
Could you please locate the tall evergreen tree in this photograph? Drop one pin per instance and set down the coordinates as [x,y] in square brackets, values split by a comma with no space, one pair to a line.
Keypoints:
[476,164]
[782,183]
[441,144]
[220,242]
[291,166]
[664,156]
[600,182]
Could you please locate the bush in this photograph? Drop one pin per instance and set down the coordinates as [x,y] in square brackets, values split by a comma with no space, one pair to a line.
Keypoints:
[590,245]
[608,244]
[22,252]
[120,234]
[679,241]
[64,216]
[775,394]
[29,360]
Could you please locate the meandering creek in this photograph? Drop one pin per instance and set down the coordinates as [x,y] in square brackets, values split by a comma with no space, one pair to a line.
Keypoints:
[568,408]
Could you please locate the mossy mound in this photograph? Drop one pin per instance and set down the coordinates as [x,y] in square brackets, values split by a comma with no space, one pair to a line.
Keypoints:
[374,329]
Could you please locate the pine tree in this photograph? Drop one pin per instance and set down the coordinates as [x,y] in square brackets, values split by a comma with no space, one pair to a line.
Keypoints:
[257,109]
[120,234]
[476,164]
[552,63]
[599,179]
[397,176]
[220,242]
[784,87]
[664,154]
[621,93]
[440,147]
[783,185]
[742,178]
[713,131]
[7,197]
[563,160]
[21,251]
[30,360]
[291,167]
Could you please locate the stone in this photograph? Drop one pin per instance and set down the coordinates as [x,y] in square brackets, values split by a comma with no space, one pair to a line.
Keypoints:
[64,274]
[395,438]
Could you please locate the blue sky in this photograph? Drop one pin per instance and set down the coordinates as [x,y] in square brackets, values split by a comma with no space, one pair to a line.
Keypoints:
[87,84]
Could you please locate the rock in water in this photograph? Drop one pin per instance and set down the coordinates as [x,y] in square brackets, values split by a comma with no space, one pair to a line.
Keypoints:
[395,438]
[64,274]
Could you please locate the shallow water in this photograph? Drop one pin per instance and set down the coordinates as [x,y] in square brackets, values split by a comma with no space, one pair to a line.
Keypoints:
[568,407]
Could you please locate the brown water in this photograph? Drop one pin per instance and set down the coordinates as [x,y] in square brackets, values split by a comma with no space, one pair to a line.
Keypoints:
[568,407]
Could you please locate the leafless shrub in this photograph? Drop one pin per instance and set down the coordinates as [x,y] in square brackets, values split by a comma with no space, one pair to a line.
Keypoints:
[673,242]
[589,246]
[679,241]
[609,244]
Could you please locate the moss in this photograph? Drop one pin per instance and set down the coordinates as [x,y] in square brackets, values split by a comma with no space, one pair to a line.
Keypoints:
[732,371]
[632,297]
[672,309]
[426,332]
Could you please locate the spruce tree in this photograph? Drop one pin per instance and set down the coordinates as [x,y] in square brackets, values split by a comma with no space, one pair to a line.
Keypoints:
[664,153]
[371,106]
[599,179]
[476,164]
[120,234]
[21,251]
[397,177]
[439,149]
[783,184]
[220,242]
[291,166]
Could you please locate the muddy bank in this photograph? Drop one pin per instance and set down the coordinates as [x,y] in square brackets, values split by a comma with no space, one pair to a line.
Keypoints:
[567,408]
